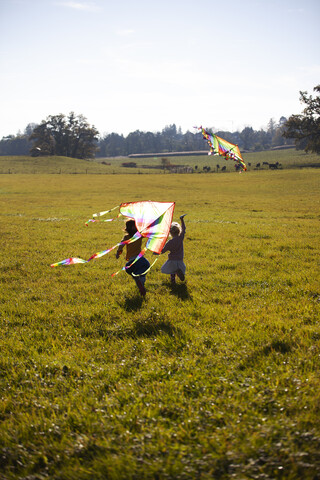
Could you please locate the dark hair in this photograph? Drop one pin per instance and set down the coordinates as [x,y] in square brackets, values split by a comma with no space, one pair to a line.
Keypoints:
[131,228]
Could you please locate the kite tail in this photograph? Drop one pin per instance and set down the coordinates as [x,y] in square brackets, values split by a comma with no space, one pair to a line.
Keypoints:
[134,261]
[103,252]
[141,254]
[74,260]
[96,216]
[148,269]
[69,261]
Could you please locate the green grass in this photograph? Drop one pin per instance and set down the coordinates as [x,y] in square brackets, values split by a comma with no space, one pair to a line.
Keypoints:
[49,165]
[64,165]
[216,378]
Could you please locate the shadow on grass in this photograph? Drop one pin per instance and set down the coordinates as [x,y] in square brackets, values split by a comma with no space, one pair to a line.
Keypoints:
[134,303]
[275,347]
[152,327]
[149,327]
[180,290]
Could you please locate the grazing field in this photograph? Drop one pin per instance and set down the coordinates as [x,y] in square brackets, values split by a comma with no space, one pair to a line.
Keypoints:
[63,165]
[217,378]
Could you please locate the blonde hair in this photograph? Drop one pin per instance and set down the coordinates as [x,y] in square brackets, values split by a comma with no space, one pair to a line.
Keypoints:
[175,229]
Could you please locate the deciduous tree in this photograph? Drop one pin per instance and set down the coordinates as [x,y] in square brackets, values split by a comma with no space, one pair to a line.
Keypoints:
[305,128]
[69,136]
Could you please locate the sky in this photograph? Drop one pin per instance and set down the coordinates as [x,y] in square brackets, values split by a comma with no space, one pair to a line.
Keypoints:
[143,65]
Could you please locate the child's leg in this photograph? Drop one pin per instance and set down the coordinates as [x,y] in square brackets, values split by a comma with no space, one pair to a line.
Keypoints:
[180,275]
[173,278]
[140,285]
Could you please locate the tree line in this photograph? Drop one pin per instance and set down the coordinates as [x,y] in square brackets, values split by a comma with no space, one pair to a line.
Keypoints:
[73,136]
[171,139]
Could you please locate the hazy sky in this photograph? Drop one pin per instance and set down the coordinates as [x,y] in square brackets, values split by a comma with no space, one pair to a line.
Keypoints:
[143,64]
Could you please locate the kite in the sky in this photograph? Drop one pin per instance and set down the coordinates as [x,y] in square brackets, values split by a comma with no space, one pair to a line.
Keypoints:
[219,146]
[152,219]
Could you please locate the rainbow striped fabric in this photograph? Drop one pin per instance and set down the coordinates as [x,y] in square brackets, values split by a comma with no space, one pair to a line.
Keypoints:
[219,146]
[153,221]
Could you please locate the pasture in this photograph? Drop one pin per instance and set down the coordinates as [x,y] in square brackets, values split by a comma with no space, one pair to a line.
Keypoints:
[217,377]
[64,165]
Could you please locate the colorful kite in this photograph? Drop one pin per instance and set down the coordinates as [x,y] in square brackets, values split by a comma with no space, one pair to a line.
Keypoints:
[153,221]
[219,146]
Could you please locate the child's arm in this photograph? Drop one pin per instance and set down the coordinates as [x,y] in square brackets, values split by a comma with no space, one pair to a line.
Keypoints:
[120,248]
[183,225]
[165,248]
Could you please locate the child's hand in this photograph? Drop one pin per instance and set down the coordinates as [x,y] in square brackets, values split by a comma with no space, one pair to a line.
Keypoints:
[181,216]
[118,254]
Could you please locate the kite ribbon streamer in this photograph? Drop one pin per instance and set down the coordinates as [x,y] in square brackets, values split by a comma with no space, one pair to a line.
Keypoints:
[72,261]
[68,261]
[96,216]
[141,254]
[148,269]
[153,221]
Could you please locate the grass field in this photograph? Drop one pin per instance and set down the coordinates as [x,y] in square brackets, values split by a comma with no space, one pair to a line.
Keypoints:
[217,378]
[64,165]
